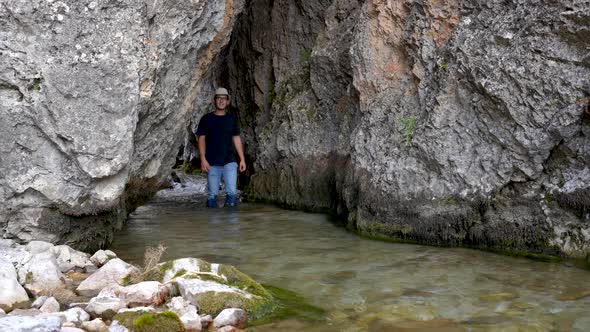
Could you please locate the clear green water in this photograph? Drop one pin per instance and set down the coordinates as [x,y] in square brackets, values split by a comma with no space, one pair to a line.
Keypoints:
[366,285]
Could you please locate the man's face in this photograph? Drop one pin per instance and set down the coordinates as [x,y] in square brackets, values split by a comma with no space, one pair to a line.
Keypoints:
[221,102]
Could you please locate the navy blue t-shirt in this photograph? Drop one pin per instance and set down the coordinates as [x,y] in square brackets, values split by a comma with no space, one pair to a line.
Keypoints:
[219,131]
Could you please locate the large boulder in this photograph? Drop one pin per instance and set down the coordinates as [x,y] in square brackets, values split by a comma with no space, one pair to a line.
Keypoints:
[12,294]
[113,272]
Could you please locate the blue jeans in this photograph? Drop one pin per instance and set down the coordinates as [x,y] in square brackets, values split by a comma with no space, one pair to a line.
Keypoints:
[229,172]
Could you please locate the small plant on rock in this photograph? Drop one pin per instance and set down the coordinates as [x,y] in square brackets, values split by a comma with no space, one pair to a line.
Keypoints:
[151,258]
[305,56]
[409,124]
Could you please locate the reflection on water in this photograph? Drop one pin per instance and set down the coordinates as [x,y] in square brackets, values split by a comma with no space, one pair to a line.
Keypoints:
[366,285]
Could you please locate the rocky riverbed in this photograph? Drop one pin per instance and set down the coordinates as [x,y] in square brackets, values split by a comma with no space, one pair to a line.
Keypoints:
[48,288]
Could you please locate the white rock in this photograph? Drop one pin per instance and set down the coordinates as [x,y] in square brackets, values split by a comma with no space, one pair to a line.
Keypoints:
[2,312]
[15,254]
[116,327]
[50,305]
[96,325]
[76,315]
[231,317]
[39,302]
[7,270]
[101,257]
[107,302]
[69,259]
[29,324]
[37,247]
[114,271]
[104,306]
[191,288]
[41,274]
[186,312]
[144,294]
[12,294]
[6,243]
[68,324]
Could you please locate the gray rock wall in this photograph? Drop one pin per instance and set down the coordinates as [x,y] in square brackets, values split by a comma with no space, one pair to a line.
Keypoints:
[456,122]
[94,97]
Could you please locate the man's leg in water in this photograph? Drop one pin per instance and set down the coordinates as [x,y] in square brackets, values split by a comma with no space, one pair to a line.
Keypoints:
[230,178]
[213,179]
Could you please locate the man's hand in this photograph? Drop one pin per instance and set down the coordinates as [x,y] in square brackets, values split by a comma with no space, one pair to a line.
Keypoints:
[242,165]
[205,167]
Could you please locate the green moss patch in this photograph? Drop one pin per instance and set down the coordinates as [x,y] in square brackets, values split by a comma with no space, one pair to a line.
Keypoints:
[287,305]
[127,280]
[238,279]
[141,321]
[213,303]
[179,273]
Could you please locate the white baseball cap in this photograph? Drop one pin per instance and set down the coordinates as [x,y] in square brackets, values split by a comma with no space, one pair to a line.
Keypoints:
[221,92]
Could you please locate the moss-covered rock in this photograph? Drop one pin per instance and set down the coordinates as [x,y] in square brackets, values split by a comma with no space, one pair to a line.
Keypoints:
[183,266]
[141,321]
[213,303]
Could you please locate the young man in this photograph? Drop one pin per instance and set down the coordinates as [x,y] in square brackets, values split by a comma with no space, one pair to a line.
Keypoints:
[219,138]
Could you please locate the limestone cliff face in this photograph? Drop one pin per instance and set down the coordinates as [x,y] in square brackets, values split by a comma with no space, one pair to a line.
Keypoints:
[443,122]
[94,98]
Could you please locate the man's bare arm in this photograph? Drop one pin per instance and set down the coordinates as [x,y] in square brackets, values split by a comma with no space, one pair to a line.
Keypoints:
[205,167]
[240,149]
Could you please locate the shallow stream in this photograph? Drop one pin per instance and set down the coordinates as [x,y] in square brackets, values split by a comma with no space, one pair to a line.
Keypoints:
[362,284]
